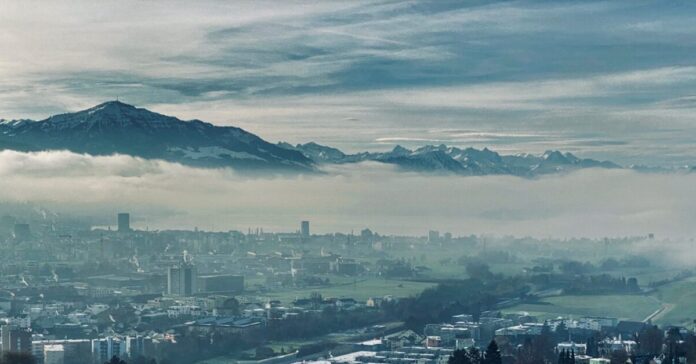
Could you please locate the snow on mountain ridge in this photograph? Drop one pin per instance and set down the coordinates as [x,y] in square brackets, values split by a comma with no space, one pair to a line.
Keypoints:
[116,127]
[469,161]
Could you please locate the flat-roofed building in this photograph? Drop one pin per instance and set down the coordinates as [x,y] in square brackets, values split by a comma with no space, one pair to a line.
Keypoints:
[53,354]
[221,283]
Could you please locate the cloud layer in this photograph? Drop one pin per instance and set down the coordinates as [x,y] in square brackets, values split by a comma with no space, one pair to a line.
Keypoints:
[608,80]
[592,203]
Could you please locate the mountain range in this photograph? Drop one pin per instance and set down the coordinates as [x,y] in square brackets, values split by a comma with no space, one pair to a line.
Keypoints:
[118,128]
[468,161]
[115,127]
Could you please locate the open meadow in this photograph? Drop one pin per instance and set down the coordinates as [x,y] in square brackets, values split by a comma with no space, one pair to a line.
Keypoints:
[627,307]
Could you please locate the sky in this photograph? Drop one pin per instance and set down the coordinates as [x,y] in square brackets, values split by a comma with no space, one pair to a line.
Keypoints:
[608,80]
[611,80]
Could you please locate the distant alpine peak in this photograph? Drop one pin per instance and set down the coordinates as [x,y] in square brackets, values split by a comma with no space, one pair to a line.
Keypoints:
[114,127]
[111,114]
[401,150]
[111,105]
[552,154]
[114,103]
[115,108]
[448,159]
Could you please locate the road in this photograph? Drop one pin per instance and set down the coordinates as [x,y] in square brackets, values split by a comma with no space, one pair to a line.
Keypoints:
[663,310]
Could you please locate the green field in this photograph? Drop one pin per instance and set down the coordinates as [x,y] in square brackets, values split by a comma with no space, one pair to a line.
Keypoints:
[680,302]
[359,289]
[629,307]
[676,302]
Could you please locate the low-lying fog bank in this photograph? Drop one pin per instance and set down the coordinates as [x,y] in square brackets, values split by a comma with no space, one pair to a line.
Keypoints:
[591,203]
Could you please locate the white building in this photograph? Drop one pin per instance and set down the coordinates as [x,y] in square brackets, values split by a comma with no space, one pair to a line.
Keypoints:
[599,361]
[73,349]
[184,310]
[615,344]
[577,348]
[53,354]
[599,322]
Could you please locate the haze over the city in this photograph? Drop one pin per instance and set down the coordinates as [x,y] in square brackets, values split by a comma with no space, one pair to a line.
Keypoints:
[347,182]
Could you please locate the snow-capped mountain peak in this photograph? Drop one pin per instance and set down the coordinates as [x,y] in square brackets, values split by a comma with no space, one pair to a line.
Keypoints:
[469,161]
[116,127]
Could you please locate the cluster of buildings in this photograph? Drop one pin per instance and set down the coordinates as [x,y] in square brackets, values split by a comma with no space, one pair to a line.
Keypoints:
[71,293]
[608,335]
[66,351]
[438,341]
[77,294]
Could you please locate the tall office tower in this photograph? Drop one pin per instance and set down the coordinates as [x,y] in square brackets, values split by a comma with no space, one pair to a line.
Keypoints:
[304,229]
[181,280]
[15,338]
[137,345]
[124,222]
[433,236]
[104,349]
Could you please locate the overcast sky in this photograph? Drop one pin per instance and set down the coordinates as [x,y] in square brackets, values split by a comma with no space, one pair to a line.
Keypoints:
[609,80]
[613,80]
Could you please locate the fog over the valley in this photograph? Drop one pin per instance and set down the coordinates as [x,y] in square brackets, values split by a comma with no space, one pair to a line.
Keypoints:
[588,203]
